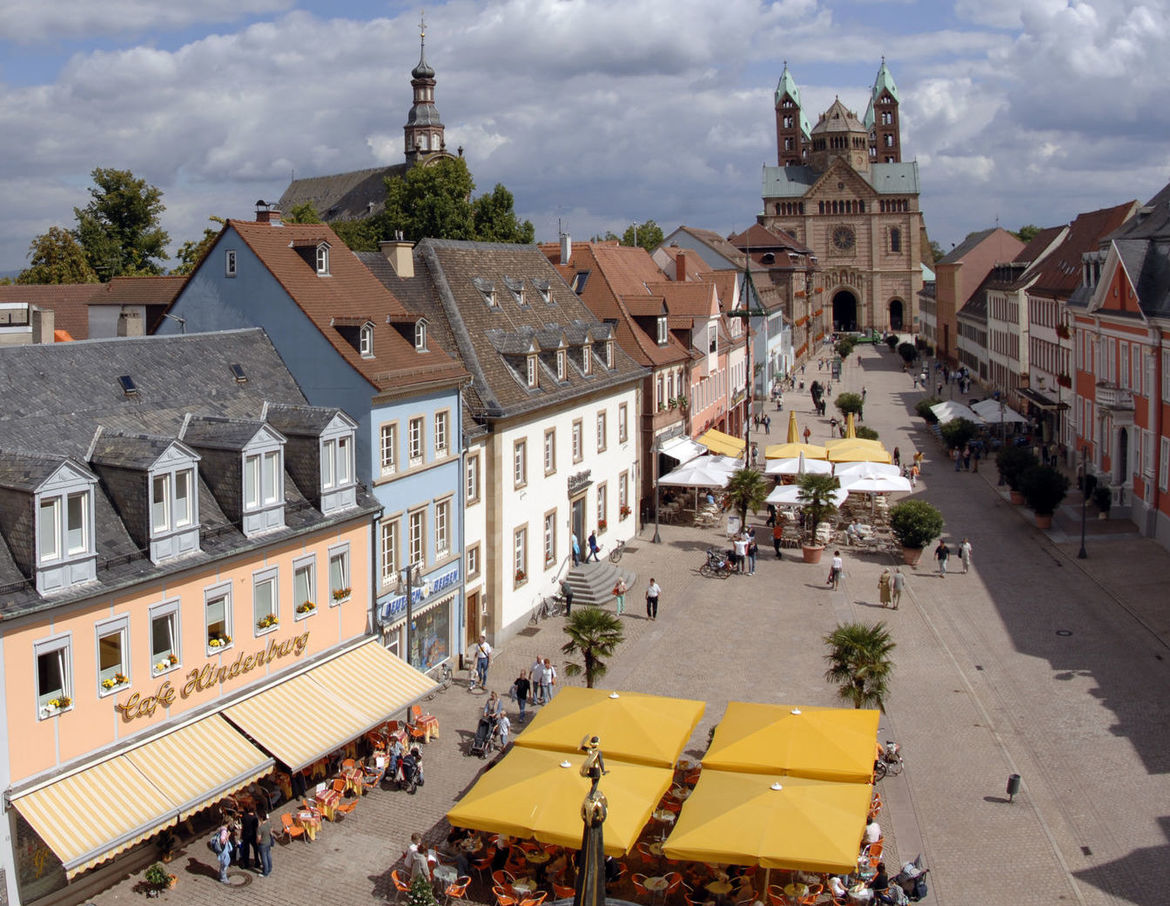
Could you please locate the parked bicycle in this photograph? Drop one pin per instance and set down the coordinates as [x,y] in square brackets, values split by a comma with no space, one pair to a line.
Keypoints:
[444,678]
[717,565]
[889,761]
[616,554]
[545,607]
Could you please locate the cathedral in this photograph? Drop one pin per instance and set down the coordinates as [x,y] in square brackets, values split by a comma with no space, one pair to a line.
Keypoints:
[842,189]
[361,193]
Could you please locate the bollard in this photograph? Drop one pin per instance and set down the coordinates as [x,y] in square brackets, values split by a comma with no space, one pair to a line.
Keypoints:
[1013,786]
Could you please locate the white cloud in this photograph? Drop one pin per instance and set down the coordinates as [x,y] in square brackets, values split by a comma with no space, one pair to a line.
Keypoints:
[58,20]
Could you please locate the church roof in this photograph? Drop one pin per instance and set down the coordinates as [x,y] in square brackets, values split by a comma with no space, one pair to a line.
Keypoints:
[838,118]
[883,82]
[787,86]
[886,179]
[343,196]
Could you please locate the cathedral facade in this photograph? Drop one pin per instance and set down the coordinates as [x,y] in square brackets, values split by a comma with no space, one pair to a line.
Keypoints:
[842,189]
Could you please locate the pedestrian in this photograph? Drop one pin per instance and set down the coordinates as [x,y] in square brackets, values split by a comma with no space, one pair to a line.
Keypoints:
[957,458]
[652,593]
[771,515]
[567,594]
[914,476]
[522,686]
[835,570]
[537,677]
[941,553]
[741,546]
[863,394]
[249,825]
[264,843]
[224,855]
[919,460]
[755,452]
[898,586]
[807,433]
[897,457]
[767,423]
[419,866]
[976,454]
[619,593]
[483,659]
[885,587]
[576,551]
[777,537]
[753,551]
[548,680]
[967,458]
[965,555]
[594,548]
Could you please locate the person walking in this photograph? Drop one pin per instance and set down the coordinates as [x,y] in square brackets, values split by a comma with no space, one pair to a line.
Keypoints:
[965,555]
[567,594]
[885,587]
[548,680]
[483,659]
[522,687]
[753,551]
[897,457]
[777,537]
[249,826]
[576,551]
[537,677]
[835,570]
[898,585]
[264,844]
[941,553]
[740,542]
[619,593]
[224,856]
[652,593]
[594,548]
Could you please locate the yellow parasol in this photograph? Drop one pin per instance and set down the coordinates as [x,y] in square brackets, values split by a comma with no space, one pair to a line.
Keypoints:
[792,451]
[534,793]
[633,726]
[793,429]
[772,821]
[718,442]
[819,743]
[857,449]
[850,429]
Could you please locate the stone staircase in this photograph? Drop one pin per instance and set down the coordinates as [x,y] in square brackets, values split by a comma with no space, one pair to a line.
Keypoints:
[593,583]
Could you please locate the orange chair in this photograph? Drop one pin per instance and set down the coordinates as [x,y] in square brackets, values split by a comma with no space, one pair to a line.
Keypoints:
[289,828]
[814,894]
[873,852]
[561,892]
[400,885]
[421,724]
[347,764]
[504,898]
[777,896]
[640,884]
[343,807]
[457,890]
[481,865]
[503,879]
[692,898]
[536,900]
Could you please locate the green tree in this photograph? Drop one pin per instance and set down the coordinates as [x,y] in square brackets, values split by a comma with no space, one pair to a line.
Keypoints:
[860,663]
[646,235]
[119,228]
[192,251]
[747,489]
[845,346]
[908,352]
[433,201]
[958,432]
[494,218]
[1027,232]
[915,523]
[56,257]
[595,634]
[305,212]
[358,235]
[850,402]
[864,432]
[936,251]
[816,499]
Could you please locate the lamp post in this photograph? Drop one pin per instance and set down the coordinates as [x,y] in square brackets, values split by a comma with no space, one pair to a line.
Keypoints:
[746,312]
[1082,554]
[655,451]
[1002,431]
[410,572]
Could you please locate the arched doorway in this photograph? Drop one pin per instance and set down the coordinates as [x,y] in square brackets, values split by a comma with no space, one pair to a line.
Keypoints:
[895,314]
[844,310]
[1122,455]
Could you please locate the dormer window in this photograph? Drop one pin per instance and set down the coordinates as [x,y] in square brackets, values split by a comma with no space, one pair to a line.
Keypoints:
[516,288]
[62,550]
[662,330]
[532,370]
[487,289]
[263,480]
[587,358]
[63,526]
[366,341]
[543,287]
[609,354]
[335,447]
[560,364]
[420,335]
[323,259]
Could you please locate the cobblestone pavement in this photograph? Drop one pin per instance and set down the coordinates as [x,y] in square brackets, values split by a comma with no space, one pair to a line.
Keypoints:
[1036,663]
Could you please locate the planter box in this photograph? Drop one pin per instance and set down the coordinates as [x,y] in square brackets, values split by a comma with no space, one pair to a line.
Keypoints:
[911,555]
[1044,522]
[1017,498]
[811,554]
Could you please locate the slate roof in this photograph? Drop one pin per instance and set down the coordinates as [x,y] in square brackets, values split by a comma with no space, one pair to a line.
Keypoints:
[1061,271]
[838,118]
[886,179]
[1150,221]
[759,238]
[347,298]
[498,380]
[343,196]
[68,391]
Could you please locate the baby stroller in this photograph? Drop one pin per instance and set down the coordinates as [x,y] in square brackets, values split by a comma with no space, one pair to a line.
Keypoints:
[912,880]
[485,735]
[410,773]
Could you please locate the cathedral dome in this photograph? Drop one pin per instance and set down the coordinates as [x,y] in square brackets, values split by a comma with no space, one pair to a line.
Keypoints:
[838,118]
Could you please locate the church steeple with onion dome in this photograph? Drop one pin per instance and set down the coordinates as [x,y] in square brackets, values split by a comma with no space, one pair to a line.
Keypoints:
[423,129]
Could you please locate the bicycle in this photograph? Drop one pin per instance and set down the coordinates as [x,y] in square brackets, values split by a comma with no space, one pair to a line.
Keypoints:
[615,555]
[446,675]
[551,606]
[889,762]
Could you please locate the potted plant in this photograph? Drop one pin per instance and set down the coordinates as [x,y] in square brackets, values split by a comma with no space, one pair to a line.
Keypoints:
[219,642]
[341,594]
[1044,488]
[520,576]
[269,619]
[915,523]
[1012,463]
[1103,500]
[112,682]
[172,659]
[159,878]
[307,607]
[816,501]
[60,703]
[624,510]
[602,525]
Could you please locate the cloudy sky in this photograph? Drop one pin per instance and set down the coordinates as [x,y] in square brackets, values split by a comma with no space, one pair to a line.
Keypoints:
[594,113]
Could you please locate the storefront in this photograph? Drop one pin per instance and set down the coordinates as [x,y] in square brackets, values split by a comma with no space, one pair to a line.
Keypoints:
[434,616]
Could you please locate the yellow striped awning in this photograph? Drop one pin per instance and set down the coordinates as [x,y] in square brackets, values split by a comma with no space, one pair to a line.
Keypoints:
[92,815]
[725,444]
[319,711]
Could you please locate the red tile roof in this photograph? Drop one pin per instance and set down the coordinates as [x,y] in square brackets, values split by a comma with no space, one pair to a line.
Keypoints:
[69,303]
[1060,272]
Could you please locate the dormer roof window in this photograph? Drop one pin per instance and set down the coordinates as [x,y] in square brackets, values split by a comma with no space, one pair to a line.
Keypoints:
[366,341]
[420,335]
[662,334]
[318,452]
[561,370]
[516,288]
[609,354]
[487,289]
[531,366]
[243,465]
[544,288]
[323,259]
[587,358]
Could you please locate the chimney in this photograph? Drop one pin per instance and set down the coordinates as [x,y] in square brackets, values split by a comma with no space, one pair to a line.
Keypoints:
[267,213]
[130,323]
[400,255]
[680,266]
[566,249]
[42,320]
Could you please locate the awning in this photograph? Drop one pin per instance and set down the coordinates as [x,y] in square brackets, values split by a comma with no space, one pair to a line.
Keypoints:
[949,411]
[989,410]
[681,448]
[1040,401]
[94,814]
[318,711]
[718,442]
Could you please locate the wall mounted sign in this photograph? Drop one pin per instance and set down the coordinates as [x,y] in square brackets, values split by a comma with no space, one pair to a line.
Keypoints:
[579,481]
[394,608]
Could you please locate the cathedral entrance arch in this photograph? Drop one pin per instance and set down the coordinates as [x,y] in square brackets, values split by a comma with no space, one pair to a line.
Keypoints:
[844,310]
[896,314]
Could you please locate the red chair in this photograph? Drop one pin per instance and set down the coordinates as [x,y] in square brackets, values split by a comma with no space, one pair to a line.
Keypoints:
[640,884]
[503,879]
[535,900]
[399,884]
[504,898]
[457,890]
[561,892]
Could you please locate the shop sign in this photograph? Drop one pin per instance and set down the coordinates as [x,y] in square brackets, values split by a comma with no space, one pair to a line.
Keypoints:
[395,608]
[579,481]
[200,679]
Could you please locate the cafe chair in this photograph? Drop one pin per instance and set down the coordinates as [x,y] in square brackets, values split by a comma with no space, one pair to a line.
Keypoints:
[457,890]
[639,881]
[504,898]
[347,764]
[814,894]
[343,806]
[690,896]
[481,865]
[289,829]
[777,896]
[561,892]
[535,900]
[503,879]
[400,885]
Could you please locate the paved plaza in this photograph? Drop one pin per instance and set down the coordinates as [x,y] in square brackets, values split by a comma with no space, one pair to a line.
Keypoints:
[1035,663]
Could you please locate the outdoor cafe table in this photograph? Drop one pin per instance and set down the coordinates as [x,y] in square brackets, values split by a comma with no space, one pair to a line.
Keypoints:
[665,817]
[655,886]
[445,874]
[327,801]
[537,857]
[719,887]
[524,885]
[310,823]
[796,890]
[656,848]
[353,780]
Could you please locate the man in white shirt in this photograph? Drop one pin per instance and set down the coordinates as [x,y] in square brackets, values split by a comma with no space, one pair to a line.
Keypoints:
[873,832]
[652,593]
[836,569]
[483,659]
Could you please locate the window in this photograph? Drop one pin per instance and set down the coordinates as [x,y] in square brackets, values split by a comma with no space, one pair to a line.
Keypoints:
[217,617]
[442,529]
[63,526]
[532,371]
[339,587]
[164,637]
[662,330]
[366,341]
[895,240]
[388,550]
[389,447]
[560,364]
[264,601]
[229,263]
[601,432]
[473,561]
[587,359]
[520,555]
[1164,464]
[54,688]
[550,538]
[418,525]
[420,336]
[441,445]
[112,660]
[519,463]
[261,479]
[550,451]
[336,462]
[602,506]
[609,354]
[624,494]
[323,260]
[473,479]
[415,442]
[304,587]
[578,443]
[623,423]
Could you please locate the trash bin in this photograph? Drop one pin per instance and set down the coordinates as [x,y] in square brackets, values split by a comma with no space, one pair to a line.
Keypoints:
[1013,786]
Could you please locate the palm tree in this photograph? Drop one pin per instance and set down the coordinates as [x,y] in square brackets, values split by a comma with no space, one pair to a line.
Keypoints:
[816,499]
[748,490]
[595,633]
[860,664]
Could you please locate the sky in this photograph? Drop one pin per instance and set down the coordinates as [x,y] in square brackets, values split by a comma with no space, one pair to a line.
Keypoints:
[593,113]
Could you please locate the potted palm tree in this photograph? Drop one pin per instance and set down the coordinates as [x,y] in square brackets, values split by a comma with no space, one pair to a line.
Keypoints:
[816,501]
[915,523]
[1012,463]
[860,663]
[747,490]
[1044,488]
[595,634]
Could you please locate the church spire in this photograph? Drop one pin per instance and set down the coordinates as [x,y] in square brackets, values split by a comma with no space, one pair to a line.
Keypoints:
[423,129]
[881,118]
[792,130]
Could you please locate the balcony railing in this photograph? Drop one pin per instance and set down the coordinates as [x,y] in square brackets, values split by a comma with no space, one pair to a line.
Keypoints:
[1110,396]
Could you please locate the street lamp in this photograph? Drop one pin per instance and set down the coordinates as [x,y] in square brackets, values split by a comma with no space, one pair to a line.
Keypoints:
[411,573]
[1082,554]
[656,451]
[1002,431]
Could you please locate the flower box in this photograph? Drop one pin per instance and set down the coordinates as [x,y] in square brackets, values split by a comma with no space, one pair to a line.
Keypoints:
[306,607]
[172,659]
[222,642]
[602,525]
[624,511]
[520,576]
[60,703]
[341,594]
[267,621]
[113,682]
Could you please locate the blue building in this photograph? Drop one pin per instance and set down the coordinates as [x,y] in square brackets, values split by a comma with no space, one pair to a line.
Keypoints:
[353,345]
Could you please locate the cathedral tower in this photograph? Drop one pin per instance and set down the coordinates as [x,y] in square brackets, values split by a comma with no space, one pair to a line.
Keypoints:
[424,129]
[881,119]
[792,133]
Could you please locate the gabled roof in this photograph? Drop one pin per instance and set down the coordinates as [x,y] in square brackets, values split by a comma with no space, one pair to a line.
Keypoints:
[139,291]
[1060,273]
[970,242]
[759,238]
[1150,221]
[346,298]
[343,196]
[694,267]
[1038,245]
[716,243]
[692,300]
[838,118]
